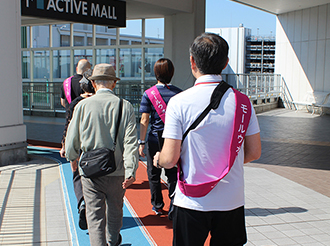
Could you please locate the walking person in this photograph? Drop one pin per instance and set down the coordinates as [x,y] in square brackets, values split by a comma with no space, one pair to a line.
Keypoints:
[212,148]
[88,89]
[153,107]
[93,127]
[70,90]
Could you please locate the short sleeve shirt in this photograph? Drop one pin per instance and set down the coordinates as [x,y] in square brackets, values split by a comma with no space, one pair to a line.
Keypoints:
[156,124]
[207,144]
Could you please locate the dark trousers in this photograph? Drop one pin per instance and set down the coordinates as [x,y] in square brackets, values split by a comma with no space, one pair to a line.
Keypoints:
[191,227]
[154,174]
[77,187]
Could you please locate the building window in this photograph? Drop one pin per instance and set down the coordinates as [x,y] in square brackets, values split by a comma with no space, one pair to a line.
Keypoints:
[155,31]
[106,56]
[65,41]
[134,42]
[61,64]
[130,63]
[78,41]
[64,55]
[40,36]
[25,36]
[83,54]
[41,65]
[124,42]
[89,41]
[152,55]
[101,41]
[26,64]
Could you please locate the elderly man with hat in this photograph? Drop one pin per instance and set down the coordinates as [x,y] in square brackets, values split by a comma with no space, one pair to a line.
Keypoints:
[93,126]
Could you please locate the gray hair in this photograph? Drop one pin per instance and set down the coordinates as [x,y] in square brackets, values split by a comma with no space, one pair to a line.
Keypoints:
[106,83]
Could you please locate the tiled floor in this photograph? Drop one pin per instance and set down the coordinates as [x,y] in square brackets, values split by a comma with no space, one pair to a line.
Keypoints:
[282,212]
[288,188]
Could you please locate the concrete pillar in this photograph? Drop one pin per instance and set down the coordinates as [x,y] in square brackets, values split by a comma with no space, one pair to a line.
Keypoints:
[12,130]
[180,31]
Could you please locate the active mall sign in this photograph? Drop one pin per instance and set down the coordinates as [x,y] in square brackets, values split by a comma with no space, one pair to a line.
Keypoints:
[100,12]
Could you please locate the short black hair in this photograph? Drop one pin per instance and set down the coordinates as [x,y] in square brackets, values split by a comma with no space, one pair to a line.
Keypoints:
[210,53]
[164,70]
[87,87]
[85,83]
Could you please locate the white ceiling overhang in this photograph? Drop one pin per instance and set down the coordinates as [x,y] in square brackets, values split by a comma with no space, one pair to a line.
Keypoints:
[282,6]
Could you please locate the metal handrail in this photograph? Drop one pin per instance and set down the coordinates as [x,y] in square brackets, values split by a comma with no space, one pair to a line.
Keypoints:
[286,96]
[45,96]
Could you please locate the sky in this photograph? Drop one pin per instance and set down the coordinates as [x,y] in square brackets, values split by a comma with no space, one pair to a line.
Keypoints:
[219,13]
[226,13]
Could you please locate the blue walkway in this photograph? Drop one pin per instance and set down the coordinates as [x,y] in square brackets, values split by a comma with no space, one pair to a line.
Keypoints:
[132,231]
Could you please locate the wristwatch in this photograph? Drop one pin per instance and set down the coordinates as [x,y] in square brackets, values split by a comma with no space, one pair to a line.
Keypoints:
[141,142]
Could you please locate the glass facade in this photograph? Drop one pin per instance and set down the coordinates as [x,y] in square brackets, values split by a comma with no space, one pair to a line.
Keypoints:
[40,36]
[154,29]
[83,54]
[61,35]
[54,60]
[25,35]
[26,65]
[130,63]
[61,64]
[106,56]
[41,65]
[151,56]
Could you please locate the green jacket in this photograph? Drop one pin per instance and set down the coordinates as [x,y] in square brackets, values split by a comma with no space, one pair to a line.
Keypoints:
[93,126]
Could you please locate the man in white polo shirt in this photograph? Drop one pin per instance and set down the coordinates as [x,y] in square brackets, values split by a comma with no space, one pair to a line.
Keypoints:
[220,211]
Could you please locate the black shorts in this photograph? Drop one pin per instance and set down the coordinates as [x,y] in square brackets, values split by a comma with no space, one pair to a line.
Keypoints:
[191,227]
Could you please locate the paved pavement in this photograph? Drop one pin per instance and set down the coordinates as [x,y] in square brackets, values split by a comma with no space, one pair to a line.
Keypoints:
[32,206]
[287,189]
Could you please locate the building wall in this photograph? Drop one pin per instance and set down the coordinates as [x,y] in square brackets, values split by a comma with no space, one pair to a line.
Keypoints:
[260,54]
[180,32]
[12,130]
[236,39]
[303,52]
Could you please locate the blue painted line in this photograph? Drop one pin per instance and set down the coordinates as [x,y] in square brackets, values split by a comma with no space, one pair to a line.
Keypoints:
[133,231]
[82,236]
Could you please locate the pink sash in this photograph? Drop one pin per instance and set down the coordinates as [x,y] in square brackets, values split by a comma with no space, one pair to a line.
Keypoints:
[157,101]
[241,123]
[67,89]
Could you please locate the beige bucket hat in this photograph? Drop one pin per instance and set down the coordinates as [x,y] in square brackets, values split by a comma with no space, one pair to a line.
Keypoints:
[103,71]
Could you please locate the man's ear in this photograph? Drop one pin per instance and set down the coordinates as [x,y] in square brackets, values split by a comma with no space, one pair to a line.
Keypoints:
[114,84]
[192,63]
[93,84]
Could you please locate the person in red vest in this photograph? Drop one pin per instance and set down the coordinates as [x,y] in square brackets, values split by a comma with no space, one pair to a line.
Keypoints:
[209,195]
